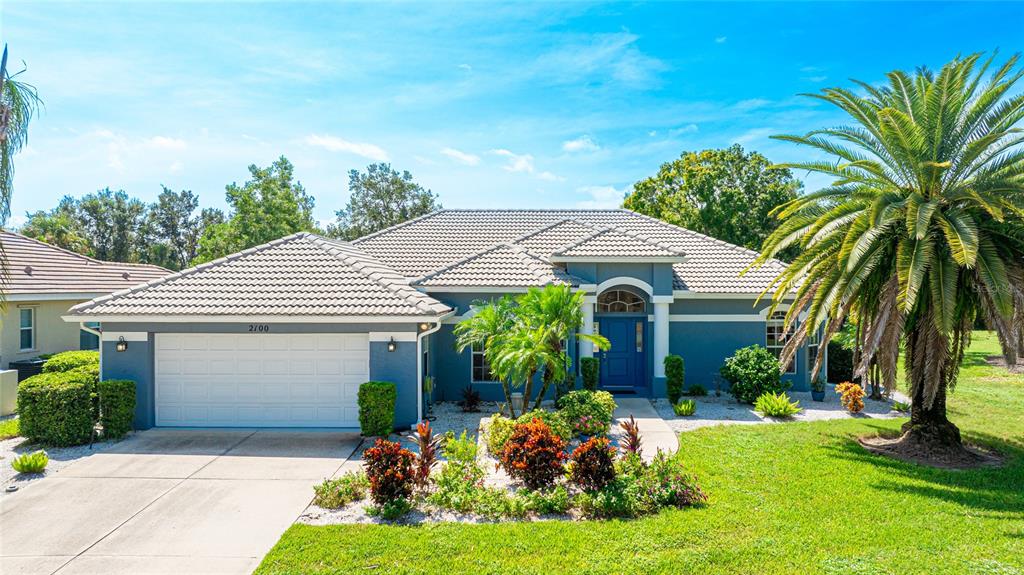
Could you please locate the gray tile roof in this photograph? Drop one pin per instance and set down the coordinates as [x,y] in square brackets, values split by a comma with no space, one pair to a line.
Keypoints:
[432,242]
[504,265]
[618,243]
[298,275]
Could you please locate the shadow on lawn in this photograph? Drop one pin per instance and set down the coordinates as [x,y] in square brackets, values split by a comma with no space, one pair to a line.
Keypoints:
[996,489]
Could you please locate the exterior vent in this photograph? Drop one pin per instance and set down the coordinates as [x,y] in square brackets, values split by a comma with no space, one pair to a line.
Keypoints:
[28,270]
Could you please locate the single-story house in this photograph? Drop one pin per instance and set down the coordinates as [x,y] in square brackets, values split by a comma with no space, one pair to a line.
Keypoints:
[282,334]
[42,282]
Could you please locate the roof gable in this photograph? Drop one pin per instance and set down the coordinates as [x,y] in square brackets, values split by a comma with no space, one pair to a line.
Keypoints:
[616,243]
[503,265]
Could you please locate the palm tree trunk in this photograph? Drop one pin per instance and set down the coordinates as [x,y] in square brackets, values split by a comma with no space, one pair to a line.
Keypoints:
[927,361]
[508,399]
[527,391]
[544,388]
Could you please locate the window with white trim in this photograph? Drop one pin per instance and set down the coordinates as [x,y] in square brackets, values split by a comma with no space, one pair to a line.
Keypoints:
[813,345]
[481,369]
[619,301]
[27,328]
[776,336]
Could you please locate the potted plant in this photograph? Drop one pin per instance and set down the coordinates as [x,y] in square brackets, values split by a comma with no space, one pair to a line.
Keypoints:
[818,389]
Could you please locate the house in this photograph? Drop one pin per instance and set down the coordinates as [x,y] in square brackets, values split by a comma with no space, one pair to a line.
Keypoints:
[43,281]
[282,334]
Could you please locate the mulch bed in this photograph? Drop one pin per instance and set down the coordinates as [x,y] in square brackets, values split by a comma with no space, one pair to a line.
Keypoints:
[967,457]
[1000,361]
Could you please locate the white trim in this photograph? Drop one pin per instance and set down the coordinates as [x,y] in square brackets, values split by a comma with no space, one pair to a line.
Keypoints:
[473,289]
[625,281]
[419,363]
[379,336]
[662,299]
[619,259]
[153,318]
[661,344]
[31,329]
[590,299]
[687,294]
[127,335]
[780,323]
[714,317]
[84,296]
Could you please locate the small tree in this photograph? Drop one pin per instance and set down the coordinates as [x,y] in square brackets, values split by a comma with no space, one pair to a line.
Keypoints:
[675,377]
[590,368]
[751,372]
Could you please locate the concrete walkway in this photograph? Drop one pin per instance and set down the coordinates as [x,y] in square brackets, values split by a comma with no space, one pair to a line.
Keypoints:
[169,501]
[655,434]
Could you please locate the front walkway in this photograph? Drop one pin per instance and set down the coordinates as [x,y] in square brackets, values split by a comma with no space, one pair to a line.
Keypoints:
[169,501]
[655,434]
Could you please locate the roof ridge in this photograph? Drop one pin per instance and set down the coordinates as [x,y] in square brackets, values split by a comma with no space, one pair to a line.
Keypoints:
[619,230]
[723,243]
[547,227]
[398,225]
[187,272]
[458,262]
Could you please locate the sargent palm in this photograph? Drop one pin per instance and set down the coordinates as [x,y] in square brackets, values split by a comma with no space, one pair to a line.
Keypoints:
[921,231]
[18,104]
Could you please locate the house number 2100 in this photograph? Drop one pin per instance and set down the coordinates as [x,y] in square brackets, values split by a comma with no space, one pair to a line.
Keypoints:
[260,327]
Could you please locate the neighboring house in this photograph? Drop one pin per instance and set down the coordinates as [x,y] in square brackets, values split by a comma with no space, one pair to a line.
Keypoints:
[282,334]
[42,282]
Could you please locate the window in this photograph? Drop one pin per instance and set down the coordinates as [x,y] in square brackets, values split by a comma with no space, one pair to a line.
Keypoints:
[640,337]
[481,370]
[619,301]
[776,336]
[28,328]
[813,345]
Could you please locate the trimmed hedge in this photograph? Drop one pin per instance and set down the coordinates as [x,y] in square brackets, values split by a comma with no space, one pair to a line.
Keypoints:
[751,372]
[68,360]
[590,368]
[56,408]
[675,377]
[91,371]
[117,407]
[377,408]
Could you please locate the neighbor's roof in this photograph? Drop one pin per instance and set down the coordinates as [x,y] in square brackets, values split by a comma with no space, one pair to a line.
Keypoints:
[504,265]
[298,275]
[435,241]
[36,267]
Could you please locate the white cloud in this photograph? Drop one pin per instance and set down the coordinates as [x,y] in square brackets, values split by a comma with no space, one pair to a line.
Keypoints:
[466,67]
[754,135]
[336,144]
[461,157]
[549,177]
[687,129]
[816,79]
[600,197]
[167,143]
[721,39]
[175,167]
[751,104]
[16,221]
[582,144]
[516,162]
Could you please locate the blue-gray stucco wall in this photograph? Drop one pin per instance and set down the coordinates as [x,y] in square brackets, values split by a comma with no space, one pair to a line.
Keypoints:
[658,275]
[135,364]
[398,367]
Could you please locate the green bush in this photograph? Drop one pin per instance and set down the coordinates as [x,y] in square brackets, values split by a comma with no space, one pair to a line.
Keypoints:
[498,432]
[56,409]
[751,372]
[696,390]
[68,360]
[555,420]
[337,493]
[675,377]
[776,405]
[623,497]
[901,406]
[590,369]
[554,501]
[377,408]
[34,462]
[685,407]
[458,483]
[589,412]
[117,407]
[666,484]
[92,372]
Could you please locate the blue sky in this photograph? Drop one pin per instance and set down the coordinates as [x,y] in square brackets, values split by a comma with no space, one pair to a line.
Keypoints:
[512,105]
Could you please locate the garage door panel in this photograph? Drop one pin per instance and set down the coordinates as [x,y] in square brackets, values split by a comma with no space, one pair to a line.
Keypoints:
[301,367]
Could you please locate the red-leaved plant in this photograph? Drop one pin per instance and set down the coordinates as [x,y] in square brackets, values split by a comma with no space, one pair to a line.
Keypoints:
[593,464]
[534,455]
[631,440]
[427,443]
[389,467]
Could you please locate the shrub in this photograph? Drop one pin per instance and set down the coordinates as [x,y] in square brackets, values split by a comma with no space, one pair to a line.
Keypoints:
[534,455]
[554,501]
[9,428]
[675,377]
[696,390]
[851,396]
[751,372]
[901,407]
[34,462]
[68,360]
[427,457]
[590,369]
[776,405]
[377,408]
[337,493]
[589,412]
[498,432]
[461,476]
[630,442]
[56,409]
[391,510]
[593,464]
[666,483]
[117,406]
[555,420]
[685,407]
[495,503]
[470,400]
[389,470]
[623,497]
[92,374]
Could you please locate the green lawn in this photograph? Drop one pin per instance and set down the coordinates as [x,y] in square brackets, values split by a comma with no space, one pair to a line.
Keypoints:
[9,428]
[787,498]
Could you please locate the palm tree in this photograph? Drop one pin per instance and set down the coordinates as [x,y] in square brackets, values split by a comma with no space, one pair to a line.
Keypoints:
[18,104]
[485,330]
[920,232]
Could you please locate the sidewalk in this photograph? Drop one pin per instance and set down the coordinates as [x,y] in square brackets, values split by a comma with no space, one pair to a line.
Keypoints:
[655,434]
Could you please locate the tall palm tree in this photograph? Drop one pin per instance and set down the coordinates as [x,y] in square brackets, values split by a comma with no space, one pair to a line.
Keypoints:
[486,329]
[921,231]
[19,102]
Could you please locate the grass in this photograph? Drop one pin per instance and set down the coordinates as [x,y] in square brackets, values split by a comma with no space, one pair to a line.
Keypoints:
[786,498]
[9,428]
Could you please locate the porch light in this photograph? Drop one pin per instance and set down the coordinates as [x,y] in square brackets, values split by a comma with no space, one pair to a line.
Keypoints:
[392,345]
[122,345]
[424,326]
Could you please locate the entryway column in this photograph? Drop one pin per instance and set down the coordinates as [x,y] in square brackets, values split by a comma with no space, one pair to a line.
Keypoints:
[660,337]
[587,348]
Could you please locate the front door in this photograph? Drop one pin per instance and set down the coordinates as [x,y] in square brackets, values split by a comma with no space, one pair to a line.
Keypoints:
[622,366]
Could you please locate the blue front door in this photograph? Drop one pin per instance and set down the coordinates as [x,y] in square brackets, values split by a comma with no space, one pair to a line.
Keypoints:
[622,366]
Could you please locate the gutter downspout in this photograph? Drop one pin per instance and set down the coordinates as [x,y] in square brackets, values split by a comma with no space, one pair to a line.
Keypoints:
[98,334]
[419,363]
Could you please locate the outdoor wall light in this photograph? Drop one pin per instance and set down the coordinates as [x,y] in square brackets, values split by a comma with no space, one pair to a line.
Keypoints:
[424,326]
[122,345]
[392,345]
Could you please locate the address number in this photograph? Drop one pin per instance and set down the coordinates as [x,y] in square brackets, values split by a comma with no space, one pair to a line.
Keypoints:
[259,327]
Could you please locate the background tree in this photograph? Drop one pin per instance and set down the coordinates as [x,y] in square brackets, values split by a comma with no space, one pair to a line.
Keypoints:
[921,231]
[727,194]
[268,206]
[19,102]
[113,224]
[380,198]
[59,226]
[176,228]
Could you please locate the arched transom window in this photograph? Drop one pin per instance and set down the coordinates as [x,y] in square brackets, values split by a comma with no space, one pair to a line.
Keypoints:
[619,301]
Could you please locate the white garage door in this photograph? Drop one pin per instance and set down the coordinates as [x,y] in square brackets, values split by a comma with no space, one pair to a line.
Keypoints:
[260,380]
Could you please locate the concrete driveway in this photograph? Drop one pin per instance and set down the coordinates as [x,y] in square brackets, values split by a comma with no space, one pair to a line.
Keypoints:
[169,501]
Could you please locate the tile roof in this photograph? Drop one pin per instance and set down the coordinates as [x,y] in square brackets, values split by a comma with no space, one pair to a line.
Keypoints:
[36,267]
[298,275]
[504,265]
[618,243]
[429,243]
